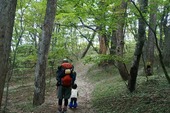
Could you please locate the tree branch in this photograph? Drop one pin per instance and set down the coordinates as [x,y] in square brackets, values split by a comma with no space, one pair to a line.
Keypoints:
[86,25]
[90,41]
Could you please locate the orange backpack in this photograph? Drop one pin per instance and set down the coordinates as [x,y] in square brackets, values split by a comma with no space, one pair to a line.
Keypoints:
[67,79]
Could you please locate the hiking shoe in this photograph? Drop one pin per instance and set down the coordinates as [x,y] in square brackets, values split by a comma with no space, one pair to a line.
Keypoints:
[75,105]
[64,111]
[59,111]
[70,105]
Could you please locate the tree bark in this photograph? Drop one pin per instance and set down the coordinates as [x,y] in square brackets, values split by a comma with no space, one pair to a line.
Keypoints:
[103,45]
[89,44]
[139,46]
[120,39]
[166,47]
[113,43]
[7,16]
[150,46]
[103,41]
[40,71]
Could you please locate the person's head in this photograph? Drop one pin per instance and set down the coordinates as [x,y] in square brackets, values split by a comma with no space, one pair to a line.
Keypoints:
[74,86]
[65,60]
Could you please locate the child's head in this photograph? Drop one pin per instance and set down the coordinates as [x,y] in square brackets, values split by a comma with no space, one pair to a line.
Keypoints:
[74,86]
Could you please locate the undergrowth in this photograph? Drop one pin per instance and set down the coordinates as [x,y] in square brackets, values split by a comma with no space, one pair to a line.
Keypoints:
[111,95]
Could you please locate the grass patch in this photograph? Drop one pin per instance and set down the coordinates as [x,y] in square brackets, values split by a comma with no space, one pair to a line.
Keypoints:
[96,73]
[26,106]
[110,94]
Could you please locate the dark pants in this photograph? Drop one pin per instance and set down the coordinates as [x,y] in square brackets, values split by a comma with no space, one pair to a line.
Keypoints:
[65,102]
[63,94]
[73,100]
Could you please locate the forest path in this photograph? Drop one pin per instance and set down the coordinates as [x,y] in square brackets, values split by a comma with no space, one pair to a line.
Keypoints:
[84,87]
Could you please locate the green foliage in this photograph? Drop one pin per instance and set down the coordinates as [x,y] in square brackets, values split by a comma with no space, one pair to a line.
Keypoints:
[98,58]
[66,12]
[63,45]
[57,54]
[29,17]
[129,51]
[26,58]
[66,18]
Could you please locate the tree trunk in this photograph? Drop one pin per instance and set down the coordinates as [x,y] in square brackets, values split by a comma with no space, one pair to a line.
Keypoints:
[89,44]
[161,32]
[113,43]
[7,16]
[166,47]
[40,72]
[120,39]
[150,47]
[12,65]
[139,46]
[102,43]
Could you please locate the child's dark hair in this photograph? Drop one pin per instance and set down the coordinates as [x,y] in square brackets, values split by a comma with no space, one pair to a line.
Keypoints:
[74,86]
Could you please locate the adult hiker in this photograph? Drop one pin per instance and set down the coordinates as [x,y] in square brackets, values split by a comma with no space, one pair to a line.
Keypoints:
[65,79]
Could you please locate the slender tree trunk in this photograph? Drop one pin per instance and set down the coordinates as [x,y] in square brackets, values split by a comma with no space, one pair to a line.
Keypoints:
[89,44]
[40,72]
[113,43]
[10,74]
[161,32]
[150,46]
[7,15]
[120,39]
[139,46]
[103,46]
[166,47]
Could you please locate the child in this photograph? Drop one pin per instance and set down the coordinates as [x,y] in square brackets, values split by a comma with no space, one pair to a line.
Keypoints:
[74,95]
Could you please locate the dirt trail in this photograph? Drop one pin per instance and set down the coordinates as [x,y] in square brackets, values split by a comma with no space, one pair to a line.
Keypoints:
[84,87]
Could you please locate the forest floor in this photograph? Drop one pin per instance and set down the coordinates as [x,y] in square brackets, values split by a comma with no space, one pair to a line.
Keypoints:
[20,97]
[107,94]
